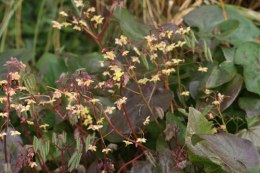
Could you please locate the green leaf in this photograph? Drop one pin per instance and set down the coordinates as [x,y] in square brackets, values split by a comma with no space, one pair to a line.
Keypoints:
[197,123]
[229,53]
[248,56]
[226,27]
[246,31]
[51,68]
[129,25]
[88,61]
[221,74]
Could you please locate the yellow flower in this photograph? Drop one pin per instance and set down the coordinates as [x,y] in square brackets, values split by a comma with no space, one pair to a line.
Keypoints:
[30,122]
[92,147]
[66,24]
[125,53]
[33,164]
[97,19]
[143,81]
[168,71]
[155,78]
[127,143]
[147,121]
[14,132]
[44,126]
[77,28]
[63,13]
[109,109]
[120,102]
[106,150]
[3,114]
[56,24]
[109,55]
[94,101]
[203,69]
[150,39]
[121,41]
[95,127]
[3,82]
[88,120]
[177,61]
[118,74]
[2,135]
[180,43]
[216,102]
[79,3]
[91,10]
[82,22]
[30,101]
[223,127]
[141,140]
[185,93]
[101,63]
[135,59]
[88,82]
[15,76]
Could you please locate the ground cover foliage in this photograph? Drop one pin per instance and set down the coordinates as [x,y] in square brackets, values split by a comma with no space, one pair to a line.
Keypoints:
[130,86]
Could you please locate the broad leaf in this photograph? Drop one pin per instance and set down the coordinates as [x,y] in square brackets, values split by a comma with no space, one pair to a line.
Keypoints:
[51,68]
[197,123]
[248,56]
[129,25]
[246,31]
[90,62]
[221,74]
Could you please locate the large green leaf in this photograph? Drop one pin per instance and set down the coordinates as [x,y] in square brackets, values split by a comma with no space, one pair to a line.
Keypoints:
[208,23]
[250,105]
[129,25]
[221,74]
[51,68]
[252,133]
[248,56]
[197,123]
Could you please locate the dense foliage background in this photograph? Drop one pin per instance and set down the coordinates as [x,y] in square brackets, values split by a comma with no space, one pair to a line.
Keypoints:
[181,95]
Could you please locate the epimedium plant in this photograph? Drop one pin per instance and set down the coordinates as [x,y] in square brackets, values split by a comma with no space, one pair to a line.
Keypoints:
[161,102]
